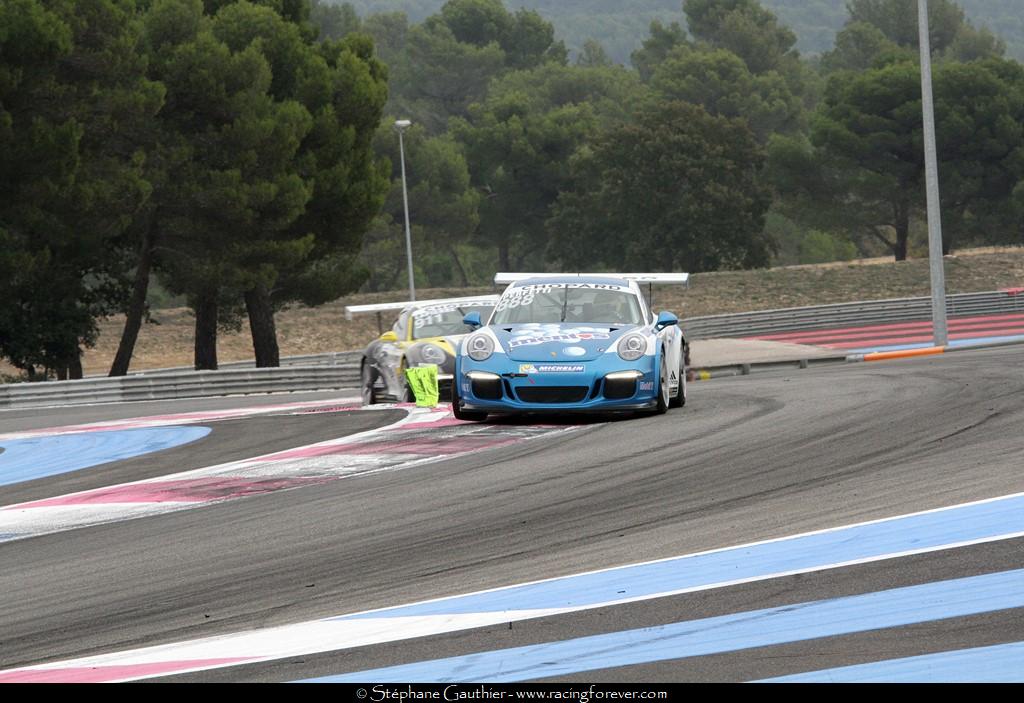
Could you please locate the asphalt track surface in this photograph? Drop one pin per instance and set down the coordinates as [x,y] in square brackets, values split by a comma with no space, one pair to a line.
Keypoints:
[748,459]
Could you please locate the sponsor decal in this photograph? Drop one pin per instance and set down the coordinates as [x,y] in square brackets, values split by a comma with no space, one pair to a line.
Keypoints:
[561,368]
[547,287]
[523,295]
[560,337]
[527,368]
[647,385]
[576,351]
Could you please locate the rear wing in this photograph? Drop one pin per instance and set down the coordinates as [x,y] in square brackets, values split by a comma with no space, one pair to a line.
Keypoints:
[351,310]
[651,279]
[648,278]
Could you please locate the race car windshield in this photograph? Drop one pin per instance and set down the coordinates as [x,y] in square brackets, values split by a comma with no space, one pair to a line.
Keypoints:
[568,303]
[445,321]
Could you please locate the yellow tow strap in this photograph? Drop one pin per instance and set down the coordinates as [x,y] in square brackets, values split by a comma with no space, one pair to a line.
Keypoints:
[423,382]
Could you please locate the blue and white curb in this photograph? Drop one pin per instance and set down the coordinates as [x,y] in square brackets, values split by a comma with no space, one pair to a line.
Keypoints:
[1001,663]
[727,633]
[962,525]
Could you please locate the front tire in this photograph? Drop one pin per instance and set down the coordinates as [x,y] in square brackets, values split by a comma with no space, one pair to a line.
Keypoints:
[458,412]
[663,389]
[405,394]
[680,398]
[367,379]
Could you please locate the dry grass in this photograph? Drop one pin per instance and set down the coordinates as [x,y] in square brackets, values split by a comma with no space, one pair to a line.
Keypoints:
[873,279]
[325,329]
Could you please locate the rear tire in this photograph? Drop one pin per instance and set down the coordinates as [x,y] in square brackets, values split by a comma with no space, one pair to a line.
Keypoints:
[458,412]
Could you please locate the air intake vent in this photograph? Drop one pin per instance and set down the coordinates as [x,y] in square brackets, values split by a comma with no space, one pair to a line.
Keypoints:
[552,394]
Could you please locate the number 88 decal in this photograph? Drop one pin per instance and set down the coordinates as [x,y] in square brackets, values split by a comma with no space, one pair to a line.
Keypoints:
[514,301]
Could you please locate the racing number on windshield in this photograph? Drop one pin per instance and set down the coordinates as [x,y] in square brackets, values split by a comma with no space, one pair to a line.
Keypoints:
[515,299]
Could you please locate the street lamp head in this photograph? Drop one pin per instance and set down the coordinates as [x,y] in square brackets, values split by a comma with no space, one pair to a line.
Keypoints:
[402,124]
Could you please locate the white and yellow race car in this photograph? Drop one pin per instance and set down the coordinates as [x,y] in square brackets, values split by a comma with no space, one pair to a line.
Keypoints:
[426,332]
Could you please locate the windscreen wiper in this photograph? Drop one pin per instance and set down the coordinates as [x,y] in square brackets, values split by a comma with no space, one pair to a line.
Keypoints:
[565,303]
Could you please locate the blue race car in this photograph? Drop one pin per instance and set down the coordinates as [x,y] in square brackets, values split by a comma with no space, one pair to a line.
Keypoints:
[579,342]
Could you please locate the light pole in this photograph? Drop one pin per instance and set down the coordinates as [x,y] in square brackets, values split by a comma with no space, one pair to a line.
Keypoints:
[931,177]
[400,127]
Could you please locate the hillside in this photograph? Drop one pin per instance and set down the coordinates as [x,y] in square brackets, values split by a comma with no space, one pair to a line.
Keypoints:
[621,25]
[324,329]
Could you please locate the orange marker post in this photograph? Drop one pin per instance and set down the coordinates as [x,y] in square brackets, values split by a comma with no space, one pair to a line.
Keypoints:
[903,354]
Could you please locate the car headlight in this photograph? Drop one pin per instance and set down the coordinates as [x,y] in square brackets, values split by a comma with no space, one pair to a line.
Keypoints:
[632,347]
[480,347]
[432,354]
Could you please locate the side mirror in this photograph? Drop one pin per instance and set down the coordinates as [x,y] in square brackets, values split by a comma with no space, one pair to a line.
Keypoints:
[472,319]
[665,319]
[389,336]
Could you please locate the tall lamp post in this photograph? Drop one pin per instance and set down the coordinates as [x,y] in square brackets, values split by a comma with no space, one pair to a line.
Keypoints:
[931,177]
[400,127]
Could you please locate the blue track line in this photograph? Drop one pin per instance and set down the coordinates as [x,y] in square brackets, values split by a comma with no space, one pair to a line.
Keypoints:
[985,340]
[39,457]
[759,628]
[994,519]
[921,345]
[1001,663]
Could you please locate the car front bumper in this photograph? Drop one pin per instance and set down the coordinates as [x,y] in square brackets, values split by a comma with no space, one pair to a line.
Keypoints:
[604,385]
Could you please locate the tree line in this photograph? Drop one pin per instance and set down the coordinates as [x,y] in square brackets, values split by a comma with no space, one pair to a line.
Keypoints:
[218,144]
[242,153]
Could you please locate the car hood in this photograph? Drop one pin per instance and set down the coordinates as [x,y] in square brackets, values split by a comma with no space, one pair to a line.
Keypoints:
[567,341]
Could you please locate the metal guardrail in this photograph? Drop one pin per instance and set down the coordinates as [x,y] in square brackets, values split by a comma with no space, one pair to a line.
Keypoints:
[703,373]
[345,358]
[181,384]
[850,314]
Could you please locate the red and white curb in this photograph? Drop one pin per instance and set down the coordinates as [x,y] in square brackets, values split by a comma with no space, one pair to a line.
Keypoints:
[346,403]
[300,639]
[424,435]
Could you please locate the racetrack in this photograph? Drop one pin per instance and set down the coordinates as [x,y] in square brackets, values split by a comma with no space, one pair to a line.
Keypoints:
[748,459]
